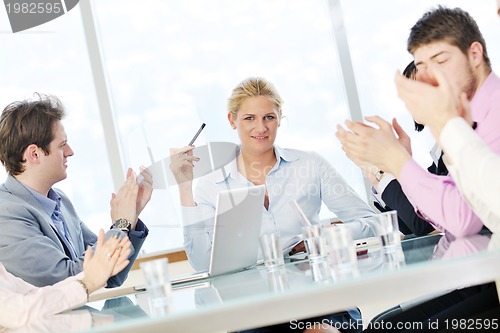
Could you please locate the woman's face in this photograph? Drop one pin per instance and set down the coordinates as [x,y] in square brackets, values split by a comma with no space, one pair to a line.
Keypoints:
[257,123]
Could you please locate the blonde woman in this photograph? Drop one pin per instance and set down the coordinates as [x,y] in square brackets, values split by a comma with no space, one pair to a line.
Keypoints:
[255,112]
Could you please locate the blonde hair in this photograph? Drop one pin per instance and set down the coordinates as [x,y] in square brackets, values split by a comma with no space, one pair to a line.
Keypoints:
[253,87]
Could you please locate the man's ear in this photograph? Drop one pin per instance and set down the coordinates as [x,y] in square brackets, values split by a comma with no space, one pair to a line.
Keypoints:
[476,53]
[32,154]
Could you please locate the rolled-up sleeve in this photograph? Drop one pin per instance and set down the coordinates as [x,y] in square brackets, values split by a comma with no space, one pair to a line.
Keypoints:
[198,232]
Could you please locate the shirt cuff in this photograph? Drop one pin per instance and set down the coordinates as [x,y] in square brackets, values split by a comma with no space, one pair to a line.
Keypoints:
[379,190]
[196,214]
[140,231]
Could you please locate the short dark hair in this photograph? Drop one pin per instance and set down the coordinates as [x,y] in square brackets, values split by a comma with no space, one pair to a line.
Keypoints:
[27,122]
[453,25]
[410,72]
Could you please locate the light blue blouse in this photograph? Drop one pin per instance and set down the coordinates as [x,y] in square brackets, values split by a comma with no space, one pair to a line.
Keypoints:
[298,175]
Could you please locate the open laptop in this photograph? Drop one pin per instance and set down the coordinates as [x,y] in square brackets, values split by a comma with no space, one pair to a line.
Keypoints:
[235,243]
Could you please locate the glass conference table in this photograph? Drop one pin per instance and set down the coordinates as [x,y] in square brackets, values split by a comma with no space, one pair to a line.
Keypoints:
[300,289]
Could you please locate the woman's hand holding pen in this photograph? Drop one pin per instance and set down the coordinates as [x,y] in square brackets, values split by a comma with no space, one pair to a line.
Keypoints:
[181,165]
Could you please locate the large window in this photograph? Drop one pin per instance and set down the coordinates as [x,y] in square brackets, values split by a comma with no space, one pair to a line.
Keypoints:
[52,59]
[172,65]
[377,33]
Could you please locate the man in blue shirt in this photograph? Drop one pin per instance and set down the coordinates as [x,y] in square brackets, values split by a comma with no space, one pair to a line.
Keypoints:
[43,240]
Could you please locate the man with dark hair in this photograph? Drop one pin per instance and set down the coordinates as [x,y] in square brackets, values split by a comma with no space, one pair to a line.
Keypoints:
[43,241]
[448,39]
[472,163]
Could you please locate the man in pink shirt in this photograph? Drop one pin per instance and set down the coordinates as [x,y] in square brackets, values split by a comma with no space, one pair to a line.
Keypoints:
[448,39]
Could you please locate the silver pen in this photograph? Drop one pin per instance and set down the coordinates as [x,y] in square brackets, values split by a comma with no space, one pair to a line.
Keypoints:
[196,135]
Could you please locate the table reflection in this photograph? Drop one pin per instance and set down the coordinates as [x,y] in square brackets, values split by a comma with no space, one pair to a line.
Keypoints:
[277,280]
[301,273]
[452,247]
[263,285]
[297,274]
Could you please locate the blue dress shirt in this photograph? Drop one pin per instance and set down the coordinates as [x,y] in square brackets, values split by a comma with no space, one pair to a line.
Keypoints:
[297,175]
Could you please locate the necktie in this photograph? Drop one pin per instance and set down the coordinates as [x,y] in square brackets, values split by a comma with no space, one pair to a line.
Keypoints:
[441,168]
[62,229]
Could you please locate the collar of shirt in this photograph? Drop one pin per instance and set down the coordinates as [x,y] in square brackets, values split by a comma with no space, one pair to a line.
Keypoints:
[48,202]
[435,153]
[231,169]
[482,97]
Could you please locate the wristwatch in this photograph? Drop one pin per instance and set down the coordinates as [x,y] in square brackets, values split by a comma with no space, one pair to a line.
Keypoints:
[379,175]
[122,224]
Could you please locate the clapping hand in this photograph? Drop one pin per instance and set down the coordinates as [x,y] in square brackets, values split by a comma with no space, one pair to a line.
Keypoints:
[108,259]
[145,190]
[433,105]
[124,204]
